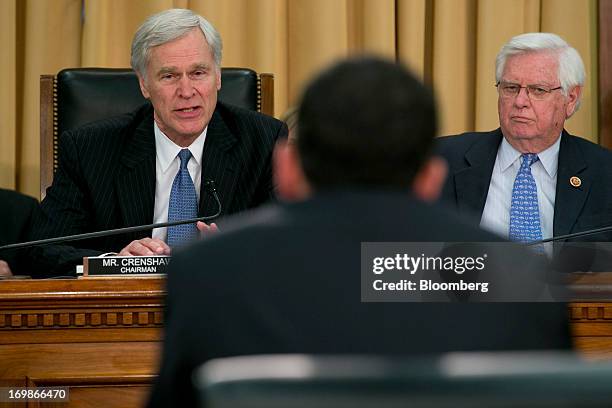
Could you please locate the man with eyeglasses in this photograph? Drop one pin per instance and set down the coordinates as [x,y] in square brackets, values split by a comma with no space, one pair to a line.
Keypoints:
[530,179]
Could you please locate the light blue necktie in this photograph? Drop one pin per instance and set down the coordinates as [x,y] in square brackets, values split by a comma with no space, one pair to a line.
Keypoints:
[524,210]
[183,204]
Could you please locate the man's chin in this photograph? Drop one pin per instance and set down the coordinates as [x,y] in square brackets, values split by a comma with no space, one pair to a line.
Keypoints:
[522,133]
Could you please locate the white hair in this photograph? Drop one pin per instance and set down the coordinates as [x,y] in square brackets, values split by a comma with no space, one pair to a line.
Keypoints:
[167,26]
[571,68]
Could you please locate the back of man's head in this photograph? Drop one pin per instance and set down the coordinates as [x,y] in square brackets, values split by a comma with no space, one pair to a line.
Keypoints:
[365,122]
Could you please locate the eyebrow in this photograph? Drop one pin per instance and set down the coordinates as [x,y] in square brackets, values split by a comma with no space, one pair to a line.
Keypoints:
[201,66]
[165,70]
[532,84]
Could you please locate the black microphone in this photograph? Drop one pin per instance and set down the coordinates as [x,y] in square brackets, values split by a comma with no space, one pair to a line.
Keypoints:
[571,236]
[209,186]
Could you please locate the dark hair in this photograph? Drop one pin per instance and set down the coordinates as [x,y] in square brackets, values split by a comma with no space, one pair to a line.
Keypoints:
[365,122]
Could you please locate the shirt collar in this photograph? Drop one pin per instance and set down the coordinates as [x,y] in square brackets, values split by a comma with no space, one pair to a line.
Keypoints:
[508,155]
[167,150]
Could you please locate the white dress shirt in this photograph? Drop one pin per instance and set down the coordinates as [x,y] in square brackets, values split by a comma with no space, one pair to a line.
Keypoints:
[167,165]
[496,213]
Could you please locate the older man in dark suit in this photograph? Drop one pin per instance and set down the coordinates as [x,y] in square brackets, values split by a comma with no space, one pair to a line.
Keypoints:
[152,165]
[286,278]
[530,179]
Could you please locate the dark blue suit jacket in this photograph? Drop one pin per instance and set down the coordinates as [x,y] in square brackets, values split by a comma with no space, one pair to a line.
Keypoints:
[471,157]
[294,287]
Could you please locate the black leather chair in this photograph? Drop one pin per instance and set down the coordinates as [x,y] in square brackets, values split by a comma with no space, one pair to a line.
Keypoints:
[77,96]
[483,380]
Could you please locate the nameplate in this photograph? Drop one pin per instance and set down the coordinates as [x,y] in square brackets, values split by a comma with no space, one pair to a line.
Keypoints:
[125,265]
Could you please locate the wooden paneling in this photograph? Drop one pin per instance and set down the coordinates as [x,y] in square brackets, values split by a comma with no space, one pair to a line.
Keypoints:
[100,337]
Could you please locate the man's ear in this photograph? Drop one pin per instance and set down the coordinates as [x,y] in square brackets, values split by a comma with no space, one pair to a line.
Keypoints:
[427,184]
[573,97]
[291,184]
[143,86]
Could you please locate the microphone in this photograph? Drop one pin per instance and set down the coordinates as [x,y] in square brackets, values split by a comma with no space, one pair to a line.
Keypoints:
[209,186]
[571,236]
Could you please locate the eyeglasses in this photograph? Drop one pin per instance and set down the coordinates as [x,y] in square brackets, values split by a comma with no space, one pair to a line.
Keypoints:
[535,92]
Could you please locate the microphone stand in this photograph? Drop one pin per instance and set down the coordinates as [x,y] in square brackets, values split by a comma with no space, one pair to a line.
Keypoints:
[571,236]
[209,185]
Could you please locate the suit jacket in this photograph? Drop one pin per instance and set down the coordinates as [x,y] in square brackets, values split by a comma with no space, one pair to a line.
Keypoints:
[17,213]
[106,179]
[294,287]
[471,157]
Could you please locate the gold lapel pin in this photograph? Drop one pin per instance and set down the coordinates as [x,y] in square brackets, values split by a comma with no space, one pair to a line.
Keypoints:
[575,181]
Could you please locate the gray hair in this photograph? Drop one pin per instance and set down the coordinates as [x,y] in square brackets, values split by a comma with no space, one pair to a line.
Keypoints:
[167,26]
[571,68]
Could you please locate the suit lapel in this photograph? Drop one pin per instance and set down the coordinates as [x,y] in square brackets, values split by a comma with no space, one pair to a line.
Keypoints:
[472,182]
[569,200]
[218,165]
[135,183]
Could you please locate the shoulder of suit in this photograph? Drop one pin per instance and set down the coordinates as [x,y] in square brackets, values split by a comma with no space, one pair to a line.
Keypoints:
[115,125]
[453,145]
[588,147]
[233,112]
[17,200]
[467,137]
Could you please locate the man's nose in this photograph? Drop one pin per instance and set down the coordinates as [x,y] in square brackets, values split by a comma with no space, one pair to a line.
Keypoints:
[185,87]
[522,98]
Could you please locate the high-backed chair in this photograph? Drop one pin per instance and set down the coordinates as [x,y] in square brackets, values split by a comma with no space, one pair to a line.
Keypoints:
[77,96]
[483,380]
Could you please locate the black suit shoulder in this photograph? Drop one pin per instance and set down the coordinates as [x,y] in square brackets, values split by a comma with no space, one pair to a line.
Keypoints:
[590,150]
[259,127]
[17,211]
[109,132]
[454,147]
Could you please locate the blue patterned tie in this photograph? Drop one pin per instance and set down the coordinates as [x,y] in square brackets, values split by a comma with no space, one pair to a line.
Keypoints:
[183,204]
[524,211]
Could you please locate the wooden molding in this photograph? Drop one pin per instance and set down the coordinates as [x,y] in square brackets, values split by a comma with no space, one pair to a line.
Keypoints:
[267,94]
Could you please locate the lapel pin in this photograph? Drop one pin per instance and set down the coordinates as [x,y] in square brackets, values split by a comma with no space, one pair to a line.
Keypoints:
[575,181]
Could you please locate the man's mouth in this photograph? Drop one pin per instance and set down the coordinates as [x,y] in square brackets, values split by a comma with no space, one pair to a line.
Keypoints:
[189,109]
[521,119]
[188,112]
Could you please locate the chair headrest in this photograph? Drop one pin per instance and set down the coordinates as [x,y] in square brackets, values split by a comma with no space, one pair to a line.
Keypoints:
[89,94]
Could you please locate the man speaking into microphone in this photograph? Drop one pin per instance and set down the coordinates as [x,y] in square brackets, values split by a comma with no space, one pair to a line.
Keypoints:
[150,166]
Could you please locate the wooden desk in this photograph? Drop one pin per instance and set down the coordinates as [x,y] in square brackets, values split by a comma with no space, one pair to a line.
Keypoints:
[102,337]
[591,317]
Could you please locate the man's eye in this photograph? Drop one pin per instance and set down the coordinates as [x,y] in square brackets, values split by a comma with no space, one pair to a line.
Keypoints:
[512,88]
[167,76]
[536,90]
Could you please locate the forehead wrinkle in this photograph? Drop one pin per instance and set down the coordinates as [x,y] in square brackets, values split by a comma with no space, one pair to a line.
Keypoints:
[542,67]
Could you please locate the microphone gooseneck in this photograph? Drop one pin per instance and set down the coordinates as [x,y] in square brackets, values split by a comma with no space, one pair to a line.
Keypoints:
[209,185]
[571,236]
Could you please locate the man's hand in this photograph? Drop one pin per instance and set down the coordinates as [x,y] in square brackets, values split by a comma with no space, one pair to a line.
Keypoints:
[145,247]
[206,229]
[5,270]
